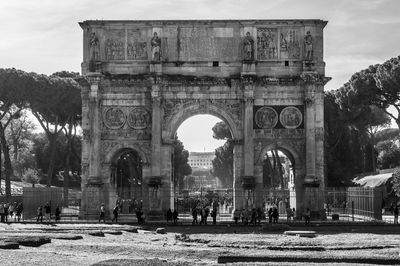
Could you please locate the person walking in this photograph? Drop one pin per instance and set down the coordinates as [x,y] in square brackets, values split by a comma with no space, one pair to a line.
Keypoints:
[396,214]
[115,214]
[20,208]
[270,215]
[2,212]
[40,214]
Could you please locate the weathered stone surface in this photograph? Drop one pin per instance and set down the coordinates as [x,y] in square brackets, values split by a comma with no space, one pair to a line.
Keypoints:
[112,232]
[96,233]
[161,231]
[8,245]
[29,241]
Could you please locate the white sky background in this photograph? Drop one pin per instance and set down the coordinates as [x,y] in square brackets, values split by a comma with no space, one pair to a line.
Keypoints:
[43,36]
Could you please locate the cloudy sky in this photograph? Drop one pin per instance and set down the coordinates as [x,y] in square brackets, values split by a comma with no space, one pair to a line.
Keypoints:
[44,36]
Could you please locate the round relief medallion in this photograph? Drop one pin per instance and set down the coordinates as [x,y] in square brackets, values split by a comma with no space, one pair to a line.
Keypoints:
[291,117]
[138,118]
[114,118]
[266,117]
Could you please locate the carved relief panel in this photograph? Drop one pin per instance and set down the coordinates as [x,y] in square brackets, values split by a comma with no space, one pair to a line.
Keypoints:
[115,45]
[267,43]
[278,117]
[136,46]
[126,122]
[289,44]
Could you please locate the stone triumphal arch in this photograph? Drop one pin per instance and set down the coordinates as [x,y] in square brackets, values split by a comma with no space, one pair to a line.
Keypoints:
[264,78]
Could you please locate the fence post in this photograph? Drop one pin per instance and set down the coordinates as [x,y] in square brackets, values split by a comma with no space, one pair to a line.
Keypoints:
[352,210]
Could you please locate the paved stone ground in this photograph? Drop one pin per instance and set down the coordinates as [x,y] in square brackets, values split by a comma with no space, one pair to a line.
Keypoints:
[73,244]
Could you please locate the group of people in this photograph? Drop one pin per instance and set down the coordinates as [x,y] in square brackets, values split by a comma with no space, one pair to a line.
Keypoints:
[253,216]
[10,210]
[204,213]
[47,213]
[172,216]
[116,211]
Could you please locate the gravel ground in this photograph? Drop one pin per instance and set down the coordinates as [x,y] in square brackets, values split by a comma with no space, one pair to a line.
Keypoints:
[177,247]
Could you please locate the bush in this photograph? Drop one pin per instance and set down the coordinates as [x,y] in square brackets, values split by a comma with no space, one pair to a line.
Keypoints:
[31,176]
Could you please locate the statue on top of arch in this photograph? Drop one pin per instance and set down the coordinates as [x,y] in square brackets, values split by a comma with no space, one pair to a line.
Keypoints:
[155,47]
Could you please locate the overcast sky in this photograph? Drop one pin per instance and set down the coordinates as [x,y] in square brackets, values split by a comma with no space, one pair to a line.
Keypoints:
[44,36]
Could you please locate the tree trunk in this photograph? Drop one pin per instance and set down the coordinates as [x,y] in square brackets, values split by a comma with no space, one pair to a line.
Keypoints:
[7,162]
[52,161]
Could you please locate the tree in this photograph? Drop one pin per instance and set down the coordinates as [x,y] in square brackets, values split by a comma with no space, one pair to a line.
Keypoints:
[31,176]
[387,77]
[15,93]
[55,103]
[19,135]
[396,182]
[358,112]
[342,143]
[223,161]
[181,168]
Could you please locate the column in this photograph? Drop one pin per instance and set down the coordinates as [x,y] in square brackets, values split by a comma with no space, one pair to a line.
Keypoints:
[154,183]
[310,133]
[93,194]
[238,171]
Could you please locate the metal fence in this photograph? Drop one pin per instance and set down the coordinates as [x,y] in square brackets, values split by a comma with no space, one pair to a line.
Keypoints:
[340,205]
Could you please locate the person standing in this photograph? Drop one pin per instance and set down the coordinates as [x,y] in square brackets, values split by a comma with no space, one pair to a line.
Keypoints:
[47,211]
[214,216]
[169,215]
[102,215]
[396,214]
[307,216]
[289,214]
[236,216]
[194,215]
[175,216]
[275,215]
[58,213]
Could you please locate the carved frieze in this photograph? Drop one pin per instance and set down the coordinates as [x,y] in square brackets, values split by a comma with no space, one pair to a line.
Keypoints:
[144,134]
[291,117]
[289,44]
[114,49]
[114,118]
[138,118]
[136,48]
[266,117]
[267,43]
[280,133]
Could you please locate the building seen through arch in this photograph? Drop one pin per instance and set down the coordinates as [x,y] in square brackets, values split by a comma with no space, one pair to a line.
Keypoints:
[263,78]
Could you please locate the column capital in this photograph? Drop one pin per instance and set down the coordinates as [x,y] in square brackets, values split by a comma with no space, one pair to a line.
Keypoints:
[93,78]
